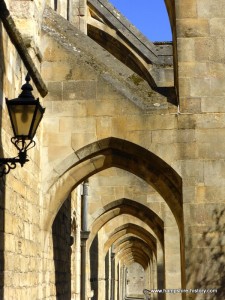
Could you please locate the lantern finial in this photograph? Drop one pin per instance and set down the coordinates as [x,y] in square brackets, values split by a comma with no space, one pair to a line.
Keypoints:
[27,88]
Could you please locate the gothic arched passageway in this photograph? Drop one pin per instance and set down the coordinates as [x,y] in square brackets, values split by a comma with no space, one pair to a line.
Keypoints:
[125,186]
[121,233]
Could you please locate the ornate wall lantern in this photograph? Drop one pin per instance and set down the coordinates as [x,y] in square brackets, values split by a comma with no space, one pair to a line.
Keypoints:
[25,115]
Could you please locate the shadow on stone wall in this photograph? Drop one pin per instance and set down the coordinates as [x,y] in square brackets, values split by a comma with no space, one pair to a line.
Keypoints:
[207,263]
[61,233]
[94,267]
[2,185]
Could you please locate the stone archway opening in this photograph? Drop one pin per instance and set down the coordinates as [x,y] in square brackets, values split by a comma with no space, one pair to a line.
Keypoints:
[135,209]
[133,229]
[107,153]
[123,250]
[122,154]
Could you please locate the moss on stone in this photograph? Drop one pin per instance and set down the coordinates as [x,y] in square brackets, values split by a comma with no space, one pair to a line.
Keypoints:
[136,79]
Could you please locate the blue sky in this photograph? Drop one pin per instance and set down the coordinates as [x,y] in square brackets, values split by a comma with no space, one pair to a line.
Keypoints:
[149,16]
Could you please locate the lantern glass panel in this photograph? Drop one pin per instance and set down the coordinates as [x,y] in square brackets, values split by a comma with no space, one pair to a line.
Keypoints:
[37,118]
[22,117]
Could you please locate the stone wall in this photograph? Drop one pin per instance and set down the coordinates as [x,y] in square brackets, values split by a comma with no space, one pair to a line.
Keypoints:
[20,211]
[200,35]
[135,280]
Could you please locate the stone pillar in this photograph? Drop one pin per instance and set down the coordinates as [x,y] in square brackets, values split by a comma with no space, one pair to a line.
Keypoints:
[123,281]
[116,290]
[84,207]
[112,275]
[120,282]
[108,275]
[84,236]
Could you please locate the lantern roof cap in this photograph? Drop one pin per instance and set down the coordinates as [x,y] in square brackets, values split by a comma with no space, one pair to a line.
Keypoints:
[27,89]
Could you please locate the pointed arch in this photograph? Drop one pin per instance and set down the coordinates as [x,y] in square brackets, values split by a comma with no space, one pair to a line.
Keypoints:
[113,152]
[131,243]
[134,229]
[127,206]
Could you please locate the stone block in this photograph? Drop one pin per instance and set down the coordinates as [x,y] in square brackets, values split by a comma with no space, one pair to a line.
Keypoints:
[105,90]
[217,69]
[167,152]
[214,136]
[210,150]
[214,173]
[79,90]
[55,91]
[186,9]
[217,27]
[80,140]
[210,9]
[202,49]
[140,137]
[184,89]
[51,124]
[103,127]
[190,105]
[10,243]
[69,109]
[83,170]
[58,139]
[195,68]
[210,121]
[188,150]
[100,108]
[200,87]
[217,87]
[192,28]
[57,72]
[213,104]
[53,52]
[57,153]
[185,136]
[161,122]
[83,125]
[186,50]
[18,186]
[188,194]
[164,136]
[198,214]
[217,51]
[87,150]
[210,194]
[99,162]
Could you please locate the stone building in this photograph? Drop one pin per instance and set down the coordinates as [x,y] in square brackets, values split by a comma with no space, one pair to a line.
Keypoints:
[125,188]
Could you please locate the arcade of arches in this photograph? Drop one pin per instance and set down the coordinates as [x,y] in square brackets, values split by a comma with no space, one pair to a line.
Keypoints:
[123,194]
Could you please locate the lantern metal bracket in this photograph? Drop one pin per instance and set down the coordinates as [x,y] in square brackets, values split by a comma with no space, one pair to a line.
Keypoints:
[25,115]
[7,164]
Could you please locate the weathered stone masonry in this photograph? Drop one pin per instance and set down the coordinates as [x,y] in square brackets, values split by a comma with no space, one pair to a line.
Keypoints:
[143,123]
